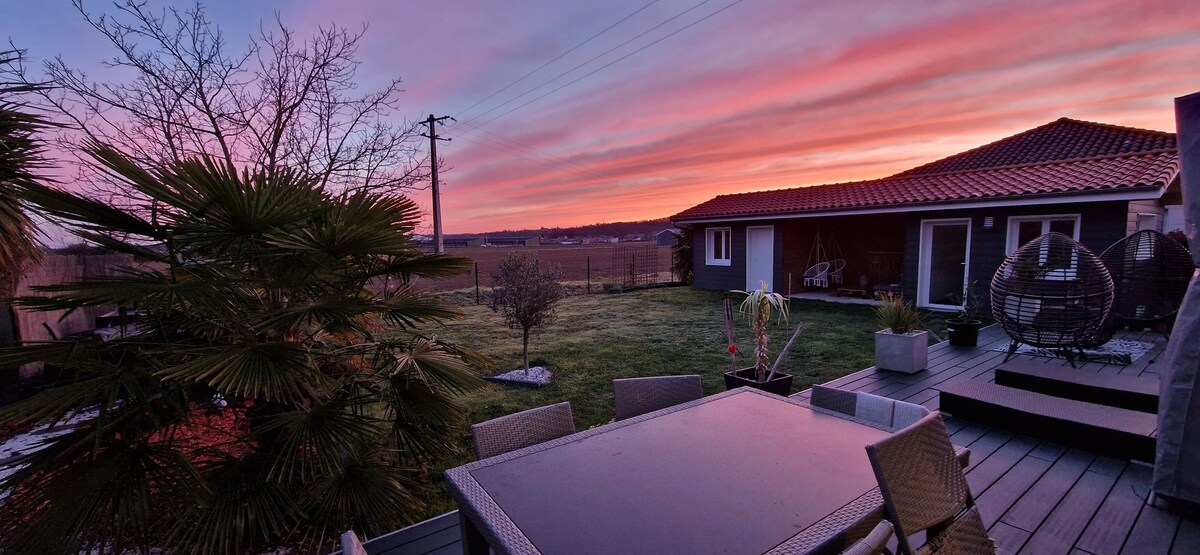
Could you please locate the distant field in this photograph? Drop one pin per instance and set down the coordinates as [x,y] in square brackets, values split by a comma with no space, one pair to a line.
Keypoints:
[572,259]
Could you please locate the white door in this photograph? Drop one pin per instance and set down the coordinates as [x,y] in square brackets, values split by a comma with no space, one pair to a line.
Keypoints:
[760,257]
[943,263]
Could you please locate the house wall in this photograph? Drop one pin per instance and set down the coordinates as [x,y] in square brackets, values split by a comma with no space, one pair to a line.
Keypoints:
[720,278]
[733,276]
[1100,225]
[1137,207]
[857,237]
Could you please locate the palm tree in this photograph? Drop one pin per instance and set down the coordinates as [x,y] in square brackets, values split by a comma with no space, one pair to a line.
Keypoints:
[271,387]
[20,161]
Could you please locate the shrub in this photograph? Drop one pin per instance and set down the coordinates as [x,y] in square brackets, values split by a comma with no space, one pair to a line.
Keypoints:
[525,295]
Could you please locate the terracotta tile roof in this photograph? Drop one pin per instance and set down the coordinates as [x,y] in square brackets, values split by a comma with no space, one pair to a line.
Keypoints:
[1061,158]
[1062,139]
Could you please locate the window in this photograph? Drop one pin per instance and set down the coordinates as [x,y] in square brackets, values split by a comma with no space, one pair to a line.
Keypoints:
[718,246]
[1059,266]
[1023,229]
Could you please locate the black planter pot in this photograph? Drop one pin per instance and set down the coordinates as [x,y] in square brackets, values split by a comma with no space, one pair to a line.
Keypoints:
[780,385]
[963,333]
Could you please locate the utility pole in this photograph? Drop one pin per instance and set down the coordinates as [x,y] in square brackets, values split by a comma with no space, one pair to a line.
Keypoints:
[437,201]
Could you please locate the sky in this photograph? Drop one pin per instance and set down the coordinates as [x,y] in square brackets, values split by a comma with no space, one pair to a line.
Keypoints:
[649,107]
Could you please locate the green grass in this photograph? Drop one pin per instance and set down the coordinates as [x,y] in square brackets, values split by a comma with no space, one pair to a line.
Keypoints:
[596,338]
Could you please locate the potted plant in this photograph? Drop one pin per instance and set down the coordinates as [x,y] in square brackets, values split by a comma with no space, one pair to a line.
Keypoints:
[963,329]
[902,346]
[758,306]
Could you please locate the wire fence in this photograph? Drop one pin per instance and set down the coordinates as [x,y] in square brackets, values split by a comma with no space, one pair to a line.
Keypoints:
[587,268]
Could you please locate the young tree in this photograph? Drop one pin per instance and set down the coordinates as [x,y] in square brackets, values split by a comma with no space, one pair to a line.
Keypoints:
[525,295]
[254,288]
[280,102]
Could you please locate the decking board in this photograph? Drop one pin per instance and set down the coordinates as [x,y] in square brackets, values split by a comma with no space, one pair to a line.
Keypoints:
[1045,499]
[1112,523]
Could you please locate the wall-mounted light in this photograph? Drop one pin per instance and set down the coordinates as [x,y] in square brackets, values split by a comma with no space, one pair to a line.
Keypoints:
[989,222]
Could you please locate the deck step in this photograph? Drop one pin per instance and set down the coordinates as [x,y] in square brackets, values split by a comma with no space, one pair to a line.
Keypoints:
[1127,392]
[1112,431]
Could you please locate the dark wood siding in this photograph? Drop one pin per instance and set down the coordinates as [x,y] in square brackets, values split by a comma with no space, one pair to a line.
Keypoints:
[1100,225]
[720,278]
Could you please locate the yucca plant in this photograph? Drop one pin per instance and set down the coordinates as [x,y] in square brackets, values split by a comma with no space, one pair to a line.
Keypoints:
[758,306]
[275,389]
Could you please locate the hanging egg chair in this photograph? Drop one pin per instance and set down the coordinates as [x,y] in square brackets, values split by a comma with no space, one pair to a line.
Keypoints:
[1052,293]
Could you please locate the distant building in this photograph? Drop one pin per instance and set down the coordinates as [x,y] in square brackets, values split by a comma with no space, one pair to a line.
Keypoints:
[462,242]
[512,241]
[667,237]
[600,240]
[633,237]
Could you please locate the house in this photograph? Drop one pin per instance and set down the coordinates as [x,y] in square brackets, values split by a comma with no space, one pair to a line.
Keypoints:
[667,237]
[934,228]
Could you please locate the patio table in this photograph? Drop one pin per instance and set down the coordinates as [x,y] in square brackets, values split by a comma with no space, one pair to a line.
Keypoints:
[738,472]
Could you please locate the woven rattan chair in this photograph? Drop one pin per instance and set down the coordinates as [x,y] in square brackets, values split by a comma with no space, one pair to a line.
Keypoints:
[351,545]
[875,543]
[1052,293]
[924,489]
[885,412]
[1150,274]
[637,396]
[507,433]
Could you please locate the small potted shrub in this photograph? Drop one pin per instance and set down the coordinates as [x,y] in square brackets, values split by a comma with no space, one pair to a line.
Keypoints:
[902,346]
[963,329]
[758,307]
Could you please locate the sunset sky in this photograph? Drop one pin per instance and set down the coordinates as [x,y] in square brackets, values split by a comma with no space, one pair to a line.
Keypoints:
[747,95]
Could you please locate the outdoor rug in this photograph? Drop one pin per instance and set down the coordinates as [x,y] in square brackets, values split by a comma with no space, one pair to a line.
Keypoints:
[1117,351]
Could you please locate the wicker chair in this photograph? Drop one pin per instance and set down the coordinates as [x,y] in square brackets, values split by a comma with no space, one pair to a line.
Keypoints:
[924,489]
[508,433]
[351,545]
[637,396]
[887,413]
[1150,274]
[875,543]
[1052,293]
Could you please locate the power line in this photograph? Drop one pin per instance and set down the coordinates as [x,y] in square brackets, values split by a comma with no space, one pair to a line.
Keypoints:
[557,58]
[665,37]
[590,60]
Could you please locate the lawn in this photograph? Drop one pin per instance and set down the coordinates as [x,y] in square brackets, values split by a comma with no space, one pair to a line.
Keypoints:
[596,338]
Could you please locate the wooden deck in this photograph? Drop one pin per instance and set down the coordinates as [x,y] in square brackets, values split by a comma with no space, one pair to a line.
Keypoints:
[1035,496]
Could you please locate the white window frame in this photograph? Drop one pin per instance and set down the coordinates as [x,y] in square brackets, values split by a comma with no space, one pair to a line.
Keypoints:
[1058,274]
[710,246]
[1014,225]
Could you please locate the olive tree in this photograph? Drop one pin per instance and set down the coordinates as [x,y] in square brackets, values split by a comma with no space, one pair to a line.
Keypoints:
[526,295]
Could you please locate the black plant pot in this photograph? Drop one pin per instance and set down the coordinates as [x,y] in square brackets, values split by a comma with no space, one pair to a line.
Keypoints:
[780,385]
[963,333]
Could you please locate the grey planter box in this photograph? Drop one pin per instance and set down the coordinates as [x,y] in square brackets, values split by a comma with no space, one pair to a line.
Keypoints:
[901,353]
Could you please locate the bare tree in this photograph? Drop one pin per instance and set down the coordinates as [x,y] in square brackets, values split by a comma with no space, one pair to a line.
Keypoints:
[526,295]
[281,101]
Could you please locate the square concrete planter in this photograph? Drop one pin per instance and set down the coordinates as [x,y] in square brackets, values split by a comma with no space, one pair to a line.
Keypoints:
[906,353]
